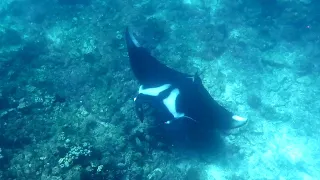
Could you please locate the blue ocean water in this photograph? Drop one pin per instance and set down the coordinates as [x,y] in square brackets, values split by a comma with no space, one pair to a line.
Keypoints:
[66,89]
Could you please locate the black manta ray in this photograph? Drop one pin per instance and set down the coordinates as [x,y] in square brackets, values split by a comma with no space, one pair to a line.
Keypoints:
[177,97]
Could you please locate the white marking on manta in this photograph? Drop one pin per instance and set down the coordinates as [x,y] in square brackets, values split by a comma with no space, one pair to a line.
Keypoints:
[134,40]
[238,121]
[238,118]
[170,103]
[153,91]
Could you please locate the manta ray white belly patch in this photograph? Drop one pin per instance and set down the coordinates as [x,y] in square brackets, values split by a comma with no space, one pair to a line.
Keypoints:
[153,91]
[170,103]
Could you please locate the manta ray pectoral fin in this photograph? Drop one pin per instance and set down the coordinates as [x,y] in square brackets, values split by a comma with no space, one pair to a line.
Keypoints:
[238,121]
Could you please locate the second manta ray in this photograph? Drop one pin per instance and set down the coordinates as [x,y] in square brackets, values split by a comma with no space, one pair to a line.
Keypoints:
[175,96]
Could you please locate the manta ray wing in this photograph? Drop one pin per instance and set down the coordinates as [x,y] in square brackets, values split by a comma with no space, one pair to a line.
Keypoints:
[146,68]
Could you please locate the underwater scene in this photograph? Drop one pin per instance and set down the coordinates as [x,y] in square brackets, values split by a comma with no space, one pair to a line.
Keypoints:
[159,90]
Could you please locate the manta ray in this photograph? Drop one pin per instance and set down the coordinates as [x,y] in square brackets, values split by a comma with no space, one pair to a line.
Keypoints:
[176,97]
